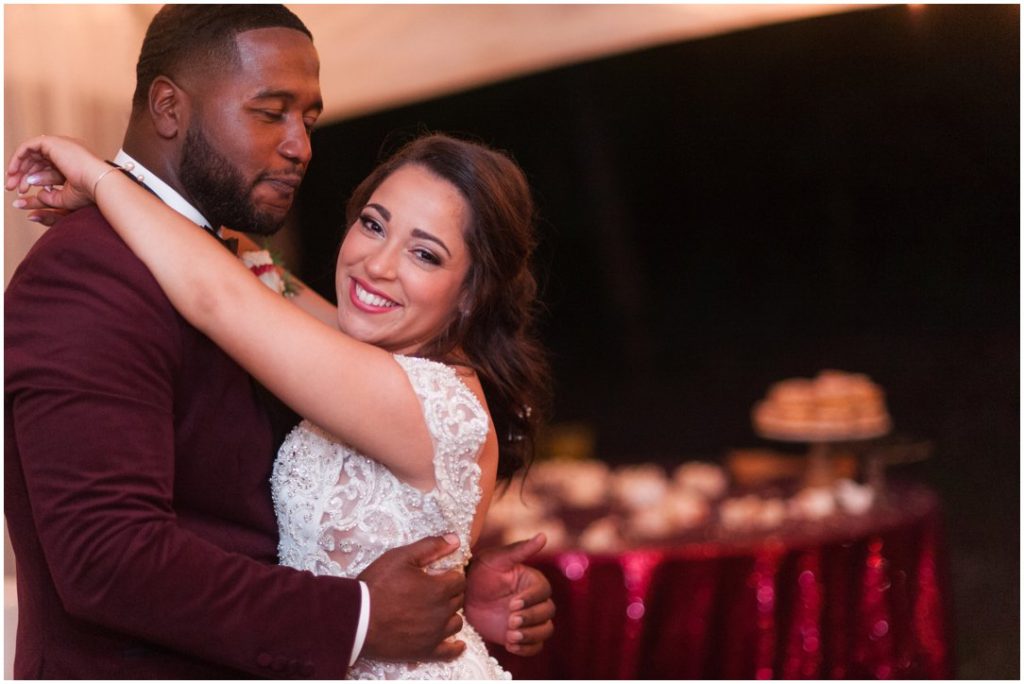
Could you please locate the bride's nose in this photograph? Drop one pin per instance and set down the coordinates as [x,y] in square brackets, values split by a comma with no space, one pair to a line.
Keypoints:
[382,263]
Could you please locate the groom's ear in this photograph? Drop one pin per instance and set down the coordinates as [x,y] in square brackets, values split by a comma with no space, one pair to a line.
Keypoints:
[168,107]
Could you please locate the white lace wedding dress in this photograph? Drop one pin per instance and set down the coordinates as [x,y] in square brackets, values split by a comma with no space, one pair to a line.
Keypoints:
[338,510]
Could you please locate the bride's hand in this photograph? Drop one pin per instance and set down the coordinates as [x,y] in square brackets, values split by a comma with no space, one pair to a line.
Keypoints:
[64,170]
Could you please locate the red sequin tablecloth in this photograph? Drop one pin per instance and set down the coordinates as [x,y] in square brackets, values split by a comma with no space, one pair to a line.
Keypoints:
[859,597]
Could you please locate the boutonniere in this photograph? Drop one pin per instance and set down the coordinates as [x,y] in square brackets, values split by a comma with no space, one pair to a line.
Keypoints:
[268,267]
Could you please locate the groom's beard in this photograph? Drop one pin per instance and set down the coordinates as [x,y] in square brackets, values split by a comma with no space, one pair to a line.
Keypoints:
[218,189]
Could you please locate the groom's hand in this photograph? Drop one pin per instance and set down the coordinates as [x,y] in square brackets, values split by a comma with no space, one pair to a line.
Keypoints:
[508,602]
[412,613]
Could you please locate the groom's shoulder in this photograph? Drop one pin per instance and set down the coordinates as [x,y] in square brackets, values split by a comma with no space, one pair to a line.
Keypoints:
[81,246]
[82,264]
[80,304]
[85,231]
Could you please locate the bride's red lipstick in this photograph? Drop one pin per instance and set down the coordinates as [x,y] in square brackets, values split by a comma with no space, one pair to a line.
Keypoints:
[366,306]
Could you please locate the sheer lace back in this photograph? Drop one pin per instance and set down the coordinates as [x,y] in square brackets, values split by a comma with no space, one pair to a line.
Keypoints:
[338,510]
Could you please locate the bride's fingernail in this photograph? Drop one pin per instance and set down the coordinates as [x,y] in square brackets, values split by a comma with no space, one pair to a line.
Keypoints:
[451,539]
[515,637]
[32,180]
[516,604]
[515,622]
[35,219]
[19,204]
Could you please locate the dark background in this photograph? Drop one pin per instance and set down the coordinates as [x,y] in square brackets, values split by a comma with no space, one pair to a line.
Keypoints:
[716,215]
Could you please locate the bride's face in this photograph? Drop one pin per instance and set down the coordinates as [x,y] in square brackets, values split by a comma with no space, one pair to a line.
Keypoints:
[403,262]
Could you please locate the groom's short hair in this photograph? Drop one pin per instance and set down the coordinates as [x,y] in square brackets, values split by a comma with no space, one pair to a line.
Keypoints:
[185,37]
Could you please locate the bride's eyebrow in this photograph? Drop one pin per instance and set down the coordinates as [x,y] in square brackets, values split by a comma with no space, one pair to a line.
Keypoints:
[416,232]
[380,210]
[424,235]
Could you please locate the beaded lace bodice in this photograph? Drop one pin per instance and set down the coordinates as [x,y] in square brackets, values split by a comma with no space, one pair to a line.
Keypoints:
[338,510]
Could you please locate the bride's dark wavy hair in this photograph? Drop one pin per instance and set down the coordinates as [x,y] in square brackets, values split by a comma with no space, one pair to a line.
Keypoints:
[493,325]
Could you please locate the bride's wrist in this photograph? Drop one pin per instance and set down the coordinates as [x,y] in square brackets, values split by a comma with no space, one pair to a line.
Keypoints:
[101,172]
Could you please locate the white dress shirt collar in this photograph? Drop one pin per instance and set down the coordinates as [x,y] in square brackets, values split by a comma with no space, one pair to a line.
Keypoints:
[165,192]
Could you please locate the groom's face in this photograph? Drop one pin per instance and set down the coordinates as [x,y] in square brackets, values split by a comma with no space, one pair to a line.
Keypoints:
[247,145]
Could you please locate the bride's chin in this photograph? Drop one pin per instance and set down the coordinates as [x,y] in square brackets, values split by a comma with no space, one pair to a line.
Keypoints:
[358,333]
[345,326]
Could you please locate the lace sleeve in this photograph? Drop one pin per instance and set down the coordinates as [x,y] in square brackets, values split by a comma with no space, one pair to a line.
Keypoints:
[458,425]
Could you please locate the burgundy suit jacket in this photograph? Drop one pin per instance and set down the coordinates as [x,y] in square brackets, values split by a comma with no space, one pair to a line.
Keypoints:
[137,463]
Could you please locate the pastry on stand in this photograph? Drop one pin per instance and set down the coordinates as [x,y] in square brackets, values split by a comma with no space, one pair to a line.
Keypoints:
[833,407]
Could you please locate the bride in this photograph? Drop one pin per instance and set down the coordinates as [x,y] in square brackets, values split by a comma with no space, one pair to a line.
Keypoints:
[424,389]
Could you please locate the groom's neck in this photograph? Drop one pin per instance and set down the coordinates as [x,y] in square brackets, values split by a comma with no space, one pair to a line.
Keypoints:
[159,156]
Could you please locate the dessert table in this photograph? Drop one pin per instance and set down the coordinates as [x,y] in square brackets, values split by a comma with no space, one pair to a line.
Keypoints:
[860,597]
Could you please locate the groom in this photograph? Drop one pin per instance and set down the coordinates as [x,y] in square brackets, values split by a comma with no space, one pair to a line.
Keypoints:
[137,454]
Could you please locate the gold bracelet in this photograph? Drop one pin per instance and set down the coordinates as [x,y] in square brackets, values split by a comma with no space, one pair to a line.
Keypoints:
[101,177]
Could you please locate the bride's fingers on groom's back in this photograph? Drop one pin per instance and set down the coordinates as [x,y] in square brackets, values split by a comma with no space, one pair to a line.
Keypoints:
[47,217]
[35,176]
[26,161]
